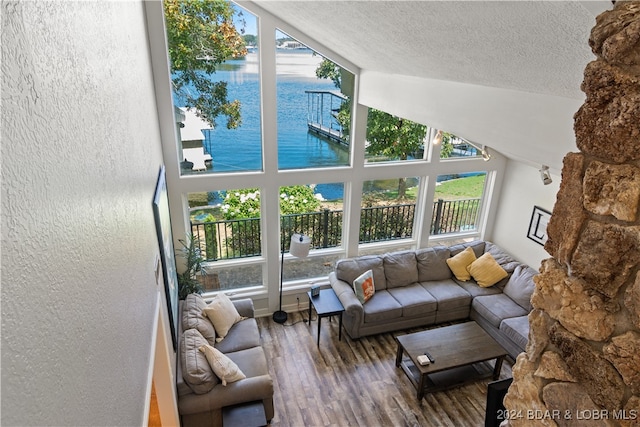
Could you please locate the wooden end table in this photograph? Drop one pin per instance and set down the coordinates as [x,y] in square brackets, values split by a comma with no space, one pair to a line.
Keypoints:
[457,351]
[326,304]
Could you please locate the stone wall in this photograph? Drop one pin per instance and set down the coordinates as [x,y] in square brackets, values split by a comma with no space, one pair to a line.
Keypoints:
[582,363]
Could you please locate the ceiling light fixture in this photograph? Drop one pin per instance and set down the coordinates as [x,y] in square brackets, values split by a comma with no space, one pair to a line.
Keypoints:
[484,150]
[485,154]
[545,175]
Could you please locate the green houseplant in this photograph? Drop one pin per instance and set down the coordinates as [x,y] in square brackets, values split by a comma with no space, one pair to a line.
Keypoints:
[187,281]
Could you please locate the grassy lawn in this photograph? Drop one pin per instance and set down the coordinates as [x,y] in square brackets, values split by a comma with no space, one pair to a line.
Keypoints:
[462,188]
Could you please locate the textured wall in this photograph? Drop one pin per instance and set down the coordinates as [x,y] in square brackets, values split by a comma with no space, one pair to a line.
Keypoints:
[582,364]
[80,158]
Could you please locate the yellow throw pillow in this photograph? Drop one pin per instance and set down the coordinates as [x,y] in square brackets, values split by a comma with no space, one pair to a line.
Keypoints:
[222,366]
[459,263]
[486,271]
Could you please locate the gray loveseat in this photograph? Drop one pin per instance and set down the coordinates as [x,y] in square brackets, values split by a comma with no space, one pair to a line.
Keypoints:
[417,288]
[201,395]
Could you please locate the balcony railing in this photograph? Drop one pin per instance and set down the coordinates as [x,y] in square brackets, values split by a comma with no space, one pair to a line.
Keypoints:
[230,239]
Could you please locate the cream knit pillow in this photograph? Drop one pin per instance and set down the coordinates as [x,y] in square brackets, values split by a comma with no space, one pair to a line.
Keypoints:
[222,366]
[223,314]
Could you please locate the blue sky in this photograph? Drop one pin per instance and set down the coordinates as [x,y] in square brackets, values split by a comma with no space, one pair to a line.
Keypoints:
[250,24]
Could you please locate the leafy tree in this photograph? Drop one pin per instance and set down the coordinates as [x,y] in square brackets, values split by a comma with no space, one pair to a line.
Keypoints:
[201,36]
[250,39]
[447,146]
[245,203]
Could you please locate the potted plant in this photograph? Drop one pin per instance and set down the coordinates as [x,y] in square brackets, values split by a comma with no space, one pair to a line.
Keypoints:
[187,281]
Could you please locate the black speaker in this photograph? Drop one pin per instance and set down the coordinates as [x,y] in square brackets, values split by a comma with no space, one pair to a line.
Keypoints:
[495,408]
[315,290]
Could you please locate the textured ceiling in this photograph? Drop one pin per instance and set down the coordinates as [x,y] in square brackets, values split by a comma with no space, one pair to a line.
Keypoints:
[533,46]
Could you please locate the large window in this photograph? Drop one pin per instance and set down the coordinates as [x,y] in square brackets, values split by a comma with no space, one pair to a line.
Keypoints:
[263,169]
[222,130]
[310,133]
[388,209]
[227,223]
[457,204]
[392,138]
[315,211]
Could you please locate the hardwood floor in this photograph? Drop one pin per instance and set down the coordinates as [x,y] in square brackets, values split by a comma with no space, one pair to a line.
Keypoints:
[355,382]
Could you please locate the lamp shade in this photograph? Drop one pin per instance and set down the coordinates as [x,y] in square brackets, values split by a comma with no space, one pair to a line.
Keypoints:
[300,245]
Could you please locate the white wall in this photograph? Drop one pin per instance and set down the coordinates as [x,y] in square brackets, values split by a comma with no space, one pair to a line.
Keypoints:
[522,189]
[80,158]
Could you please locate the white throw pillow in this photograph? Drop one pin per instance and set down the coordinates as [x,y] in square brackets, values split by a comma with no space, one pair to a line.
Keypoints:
[223,314]
[222,366]
[364,286]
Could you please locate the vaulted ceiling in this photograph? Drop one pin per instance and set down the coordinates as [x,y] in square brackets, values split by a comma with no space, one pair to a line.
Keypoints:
[537,47]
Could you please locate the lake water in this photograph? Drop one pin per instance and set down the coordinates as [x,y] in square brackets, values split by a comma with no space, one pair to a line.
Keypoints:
[241,149]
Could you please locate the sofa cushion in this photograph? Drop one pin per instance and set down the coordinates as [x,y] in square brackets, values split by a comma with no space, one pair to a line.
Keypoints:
[251,361]
[478,247]
[516,329]
[432,263]
[459,263]
[521,285]
[414,299]
[475,291]
[400,268]
[196,371]
[364,286]
[349,269]
[448,294]
[382,306]
[222,366]
[223,314]
[486,271]
[242,335]
[194,318]
[496,308]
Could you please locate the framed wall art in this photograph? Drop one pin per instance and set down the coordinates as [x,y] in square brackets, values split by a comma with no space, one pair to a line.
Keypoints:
[167,254]
[538,225]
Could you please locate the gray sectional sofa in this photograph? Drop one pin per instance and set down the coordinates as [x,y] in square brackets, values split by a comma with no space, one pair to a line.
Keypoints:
[201,394]
[418,288]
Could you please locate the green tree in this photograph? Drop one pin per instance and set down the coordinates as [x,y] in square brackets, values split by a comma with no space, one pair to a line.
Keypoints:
[245,203]
[447,146]
[201,36]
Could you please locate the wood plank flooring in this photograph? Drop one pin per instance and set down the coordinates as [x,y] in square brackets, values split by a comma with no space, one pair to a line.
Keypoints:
[355,382]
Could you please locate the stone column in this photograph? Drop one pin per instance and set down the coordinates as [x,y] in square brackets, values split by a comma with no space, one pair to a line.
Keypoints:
[582,362]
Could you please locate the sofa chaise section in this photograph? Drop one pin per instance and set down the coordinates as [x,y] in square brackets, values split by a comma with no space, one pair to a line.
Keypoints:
[201,395]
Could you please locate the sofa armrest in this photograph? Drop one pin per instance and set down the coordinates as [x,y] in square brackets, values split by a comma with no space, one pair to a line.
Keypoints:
[346,295]
[245,390]
[245,307]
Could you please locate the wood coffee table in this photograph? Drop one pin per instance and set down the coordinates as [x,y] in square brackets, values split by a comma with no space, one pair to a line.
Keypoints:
[457,351]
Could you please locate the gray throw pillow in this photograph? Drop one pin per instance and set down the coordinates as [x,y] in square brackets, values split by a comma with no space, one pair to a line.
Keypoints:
[520,286]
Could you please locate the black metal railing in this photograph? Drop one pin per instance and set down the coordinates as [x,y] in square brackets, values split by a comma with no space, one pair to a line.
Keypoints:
[386,223]
[229,239]
[454,216]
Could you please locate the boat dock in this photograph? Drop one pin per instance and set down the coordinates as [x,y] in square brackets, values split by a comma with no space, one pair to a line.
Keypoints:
[322,109]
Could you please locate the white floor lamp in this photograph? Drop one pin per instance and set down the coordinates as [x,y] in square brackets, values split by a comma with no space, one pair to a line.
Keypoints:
[299,248]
